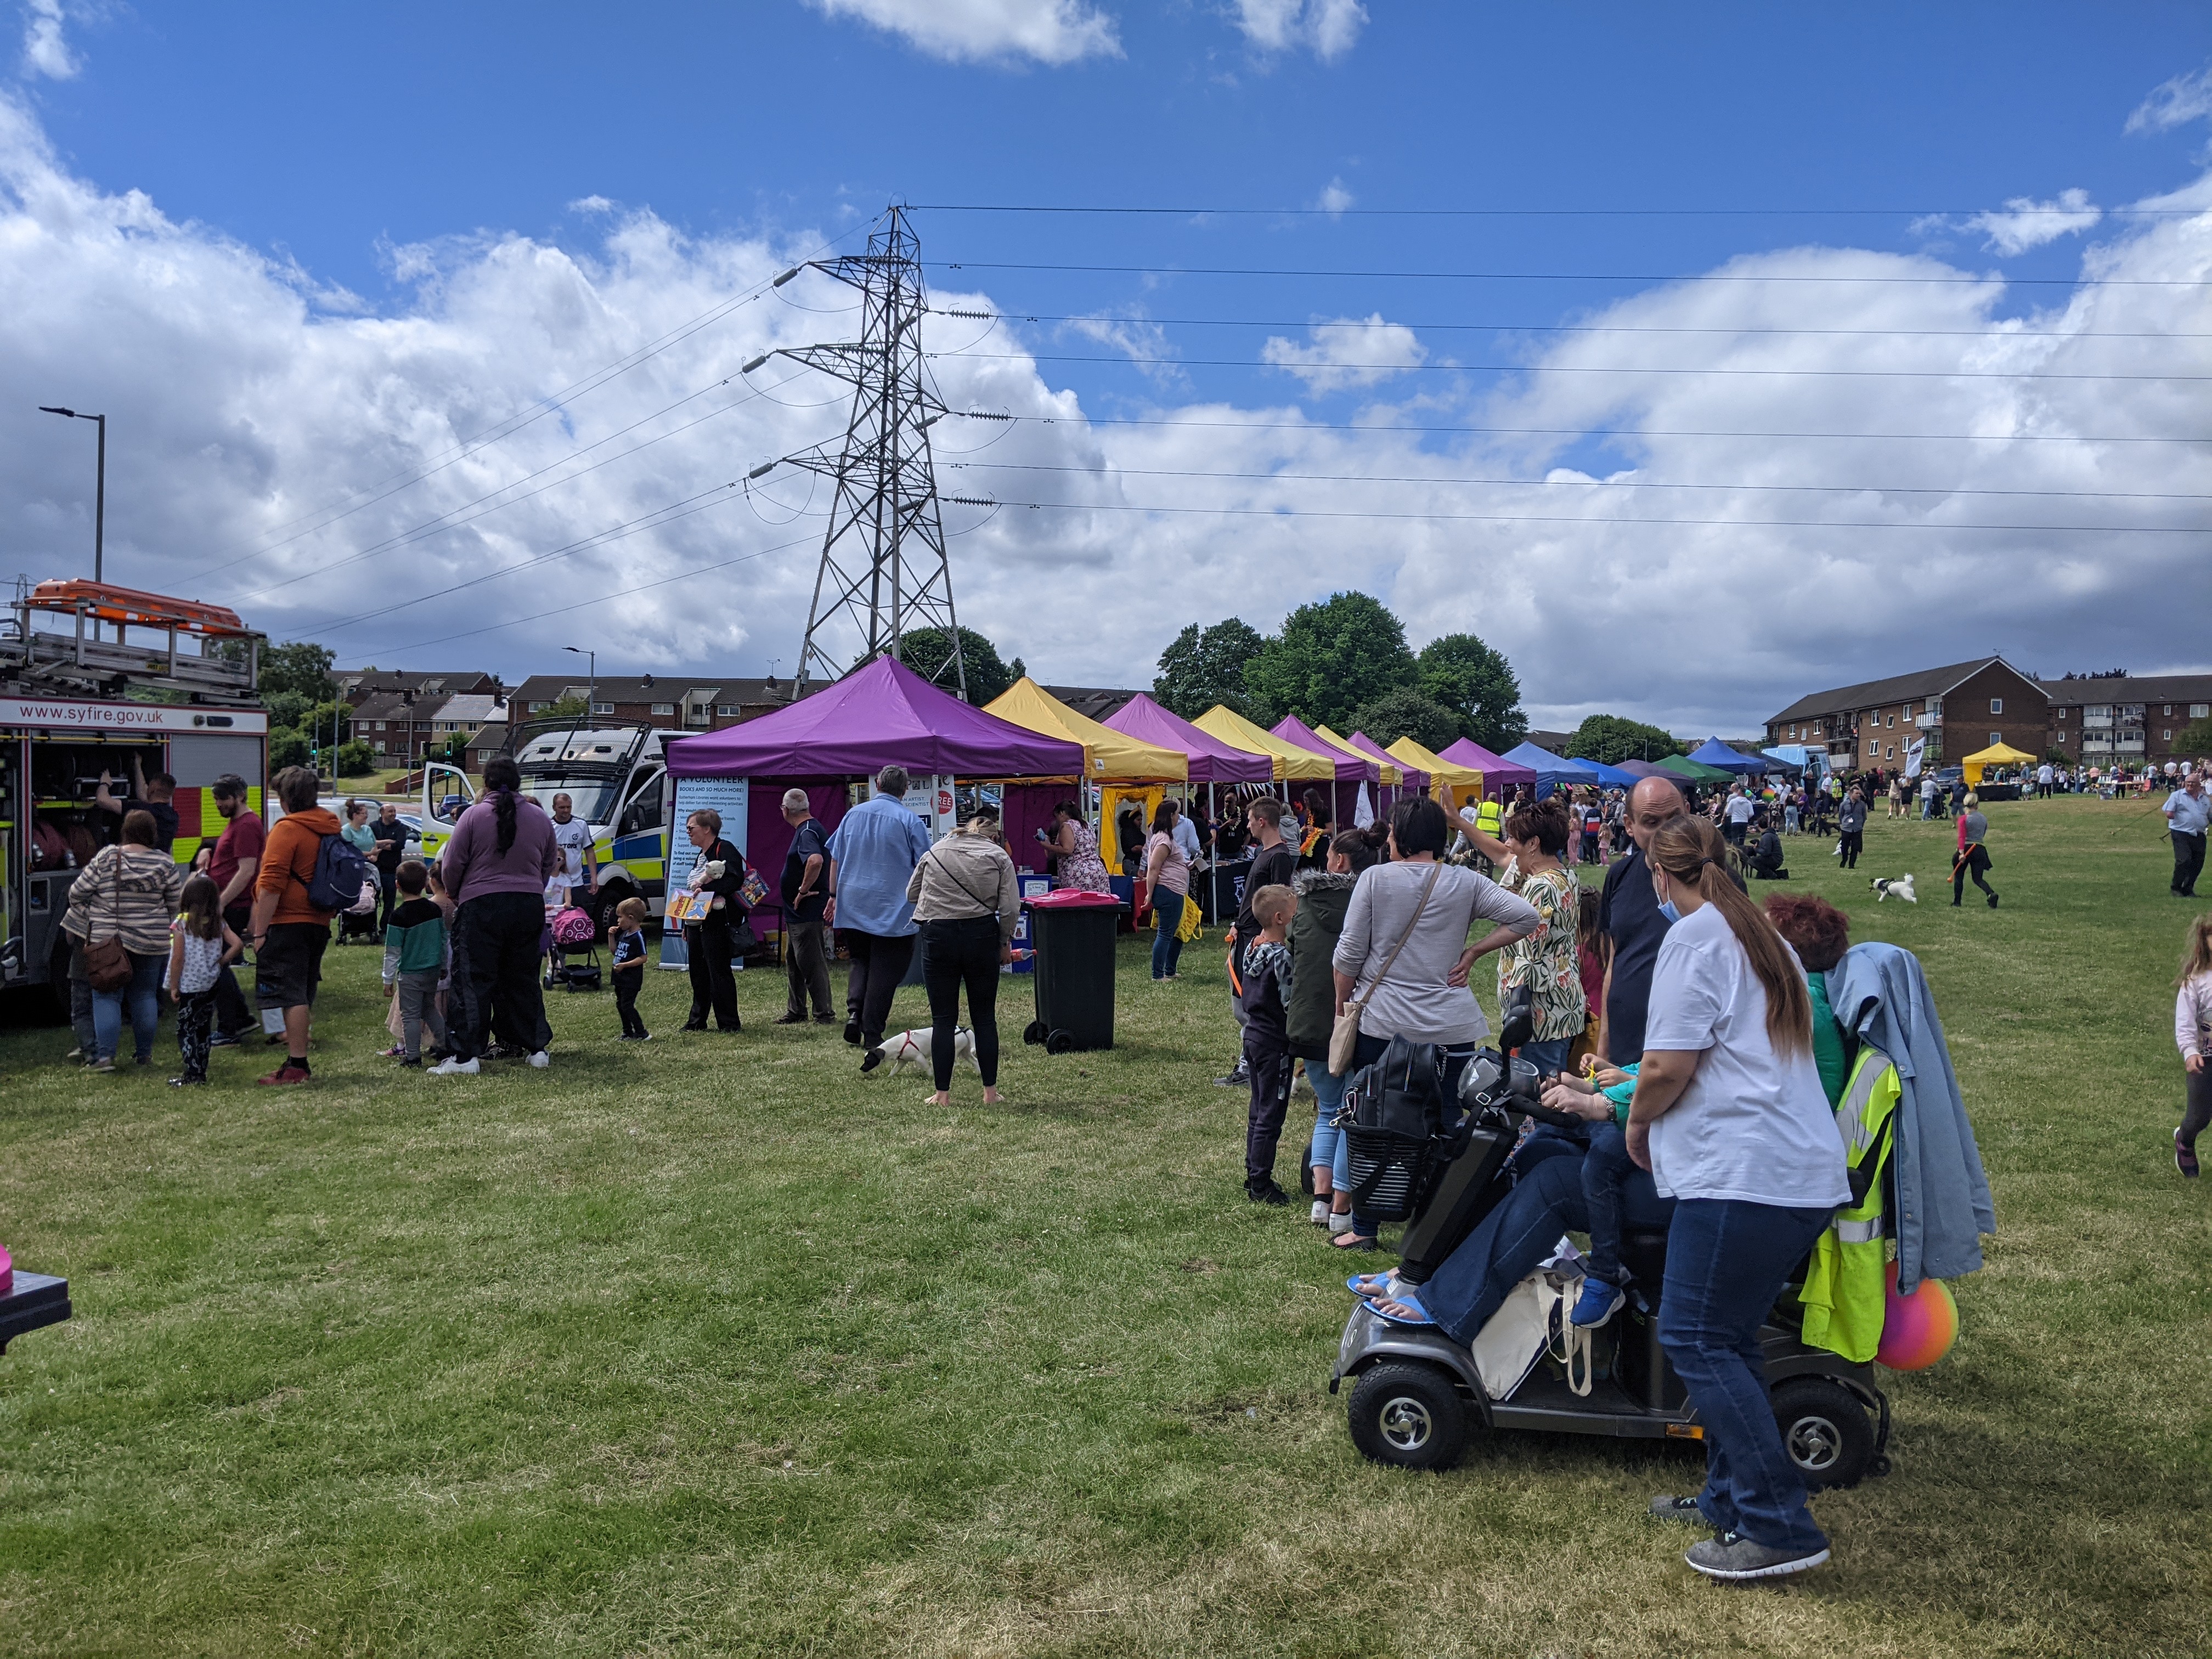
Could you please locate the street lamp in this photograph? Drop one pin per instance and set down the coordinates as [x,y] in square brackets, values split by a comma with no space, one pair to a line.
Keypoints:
[100,488]
[592,658]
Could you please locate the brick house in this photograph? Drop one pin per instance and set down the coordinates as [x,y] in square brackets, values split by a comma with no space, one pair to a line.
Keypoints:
[357,685]
[403,727]
[1959,709]
[2125,720]
[674,702]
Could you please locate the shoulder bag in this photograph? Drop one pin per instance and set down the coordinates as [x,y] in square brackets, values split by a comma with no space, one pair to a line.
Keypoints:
[1344,1035]
[107,961]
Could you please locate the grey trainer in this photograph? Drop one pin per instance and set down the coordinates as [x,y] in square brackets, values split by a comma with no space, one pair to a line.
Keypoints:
[1733,1556]
[1667,1507]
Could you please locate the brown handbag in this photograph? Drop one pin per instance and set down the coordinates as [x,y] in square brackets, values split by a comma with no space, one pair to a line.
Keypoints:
[107,963]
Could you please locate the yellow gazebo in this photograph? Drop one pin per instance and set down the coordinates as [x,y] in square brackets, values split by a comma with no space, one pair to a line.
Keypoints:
[1997,754]
[1124,768]
[1448,783]
[1292,763]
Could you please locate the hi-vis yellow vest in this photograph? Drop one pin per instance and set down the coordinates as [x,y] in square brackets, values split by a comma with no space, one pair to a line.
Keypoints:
[1488,818]
[1843,1287]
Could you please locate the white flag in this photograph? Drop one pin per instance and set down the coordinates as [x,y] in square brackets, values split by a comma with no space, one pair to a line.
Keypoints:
[1363,814]
[1913,751]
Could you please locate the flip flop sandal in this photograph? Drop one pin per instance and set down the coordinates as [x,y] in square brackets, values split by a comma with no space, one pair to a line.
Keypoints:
[1417,1316]
[1349,1241]
[1370,1284]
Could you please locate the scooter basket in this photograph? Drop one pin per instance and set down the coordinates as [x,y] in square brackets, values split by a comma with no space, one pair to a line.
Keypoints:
[1389,1171]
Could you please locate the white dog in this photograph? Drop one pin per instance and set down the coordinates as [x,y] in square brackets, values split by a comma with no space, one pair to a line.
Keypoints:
[1894,887]
[904,1048]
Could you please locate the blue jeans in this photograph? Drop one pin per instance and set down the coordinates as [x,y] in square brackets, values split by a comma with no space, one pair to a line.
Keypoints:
[1366,1052]
[1727,1261]
[1549,1056]
[1617,1195]
[1167,944]
[143,992]
[1329,1146]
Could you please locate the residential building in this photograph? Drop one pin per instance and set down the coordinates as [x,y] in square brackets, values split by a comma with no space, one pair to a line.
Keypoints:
[357,685]
[2125,720]
[675,702]
[396,725]
[1097,701]
[1960,709]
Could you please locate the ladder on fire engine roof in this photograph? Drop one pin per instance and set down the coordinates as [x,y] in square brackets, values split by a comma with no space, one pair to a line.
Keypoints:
[91,663]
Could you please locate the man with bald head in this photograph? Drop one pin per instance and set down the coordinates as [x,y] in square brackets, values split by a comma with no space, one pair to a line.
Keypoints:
[1628,915]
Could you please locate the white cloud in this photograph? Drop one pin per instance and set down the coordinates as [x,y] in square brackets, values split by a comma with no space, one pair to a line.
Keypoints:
[240,406]
[591,204]
[2026,223]
[2184,99]
[1145,344]
[1053,32]
[1327,29]
[1336,199]
[46,48]
[1347,351]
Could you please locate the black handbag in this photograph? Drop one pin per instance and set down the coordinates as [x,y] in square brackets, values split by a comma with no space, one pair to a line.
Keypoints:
[1394,1122]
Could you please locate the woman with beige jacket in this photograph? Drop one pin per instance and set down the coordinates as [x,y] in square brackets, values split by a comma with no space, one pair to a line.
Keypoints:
[964,897]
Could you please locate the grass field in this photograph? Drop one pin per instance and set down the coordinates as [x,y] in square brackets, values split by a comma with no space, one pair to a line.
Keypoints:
[711,1345]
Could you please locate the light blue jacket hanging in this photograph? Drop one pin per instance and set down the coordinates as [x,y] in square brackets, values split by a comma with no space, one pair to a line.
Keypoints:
[1881,996]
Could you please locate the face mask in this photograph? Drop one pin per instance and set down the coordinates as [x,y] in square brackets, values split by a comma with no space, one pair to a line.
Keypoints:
[1667,910]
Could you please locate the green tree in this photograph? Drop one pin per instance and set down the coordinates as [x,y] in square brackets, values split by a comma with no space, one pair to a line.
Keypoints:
[301,667]
[2196,738]
[287,708]
[1205,666]
[566,708]
[1407,712]
[1612,738]
[355,760]
[286,747]
[1330,660]
[1478,685]
[929,653]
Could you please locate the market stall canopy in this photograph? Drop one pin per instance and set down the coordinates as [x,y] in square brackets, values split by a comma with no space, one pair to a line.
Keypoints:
[1682,766]
[1714,753]
[1349,768]
[1498,772]
[1292,762]
[1555,769]
[1612,777]
[1787,758]
[1462,780]
[1394,770]
[1210,759]
[1997,754]
[1107,753]
[883,714]
[1645,770]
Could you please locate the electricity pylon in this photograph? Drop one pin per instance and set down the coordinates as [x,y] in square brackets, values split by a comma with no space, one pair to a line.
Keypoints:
[883,572]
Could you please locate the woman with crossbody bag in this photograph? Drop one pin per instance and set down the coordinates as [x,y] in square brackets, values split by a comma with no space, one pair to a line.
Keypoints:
[1402,961]
[963,895]
[119,911]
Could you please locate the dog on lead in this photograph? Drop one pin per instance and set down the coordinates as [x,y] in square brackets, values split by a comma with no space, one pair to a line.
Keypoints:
[905,1049]
[1884,887]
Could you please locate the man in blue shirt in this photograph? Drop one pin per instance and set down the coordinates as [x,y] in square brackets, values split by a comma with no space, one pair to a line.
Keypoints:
[2186,811]
[875,850]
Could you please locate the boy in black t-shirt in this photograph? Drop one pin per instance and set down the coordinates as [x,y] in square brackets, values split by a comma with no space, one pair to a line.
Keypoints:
[1265,990]
[629,967]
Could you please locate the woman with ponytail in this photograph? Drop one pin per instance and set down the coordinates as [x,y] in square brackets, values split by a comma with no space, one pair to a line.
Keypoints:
[502,854]
[1729,1117]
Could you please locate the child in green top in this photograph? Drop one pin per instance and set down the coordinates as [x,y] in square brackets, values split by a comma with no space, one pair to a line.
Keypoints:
[414,960]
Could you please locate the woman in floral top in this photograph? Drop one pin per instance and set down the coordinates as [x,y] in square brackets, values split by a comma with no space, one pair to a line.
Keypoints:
[1078,850]
[1545,961]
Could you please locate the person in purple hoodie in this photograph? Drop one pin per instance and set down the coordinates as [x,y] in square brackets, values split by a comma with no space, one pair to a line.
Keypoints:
[502,854]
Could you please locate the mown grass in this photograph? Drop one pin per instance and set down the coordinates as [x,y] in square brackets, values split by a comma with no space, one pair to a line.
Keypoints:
[710,1344]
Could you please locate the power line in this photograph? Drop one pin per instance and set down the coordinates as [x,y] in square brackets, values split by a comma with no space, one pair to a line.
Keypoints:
[1510,213]
[1576,328]
[1598,431]
[1556,276]
[1574,484]
[1539,369]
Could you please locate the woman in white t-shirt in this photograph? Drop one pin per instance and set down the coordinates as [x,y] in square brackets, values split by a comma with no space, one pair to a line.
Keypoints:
[1729,1117]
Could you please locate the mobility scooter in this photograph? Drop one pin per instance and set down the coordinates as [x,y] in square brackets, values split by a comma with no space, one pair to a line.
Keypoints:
[1417,1395]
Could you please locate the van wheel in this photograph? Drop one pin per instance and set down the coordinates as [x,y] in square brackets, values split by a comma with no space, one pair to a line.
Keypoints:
[1825,1430]
[1409,1416]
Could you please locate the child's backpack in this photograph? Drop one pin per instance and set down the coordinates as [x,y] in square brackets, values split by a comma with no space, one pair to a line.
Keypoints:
[339,875]
[574,926]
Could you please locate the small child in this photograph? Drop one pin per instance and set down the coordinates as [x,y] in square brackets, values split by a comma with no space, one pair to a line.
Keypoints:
[1267,1039]
[1607,1167]
[201,946]
[2192,1032]
[629,967]
[415,960]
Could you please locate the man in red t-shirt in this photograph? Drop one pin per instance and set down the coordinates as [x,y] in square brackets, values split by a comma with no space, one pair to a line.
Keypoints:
[232,866]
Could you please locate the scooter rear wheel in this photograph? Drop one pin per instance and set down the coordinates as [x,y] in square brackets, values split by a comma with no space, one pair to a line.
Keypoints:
[1825,1430]
[1409,1416]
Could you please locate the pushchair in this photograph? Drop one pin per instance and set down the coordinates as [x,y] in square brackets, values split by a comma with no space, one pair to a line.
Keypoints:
[571,945]
[358,921]
[1417,1396]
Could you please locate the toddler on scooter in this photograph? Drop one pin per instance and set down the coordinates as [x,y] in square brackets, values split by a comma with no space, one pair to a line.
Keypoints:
[1601,1097]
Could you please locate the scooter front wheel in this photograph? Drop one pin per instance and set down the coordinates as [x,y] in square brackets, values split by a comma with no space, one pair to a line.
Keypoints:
[1409,1416]
[1825,1430]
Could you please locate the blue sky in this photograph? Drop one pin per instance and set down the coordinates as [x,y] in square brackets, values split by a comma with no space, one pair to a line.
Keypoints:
[410,183]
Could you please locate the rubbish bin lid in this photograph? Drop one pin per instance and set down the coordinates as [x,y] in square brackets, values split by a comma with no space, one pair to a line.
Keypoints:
[1072,898]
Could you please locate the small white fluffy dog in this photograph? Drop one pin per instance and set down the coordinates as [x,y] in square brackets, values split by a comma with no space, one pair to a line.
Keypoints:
[905,1049]
[1884,887]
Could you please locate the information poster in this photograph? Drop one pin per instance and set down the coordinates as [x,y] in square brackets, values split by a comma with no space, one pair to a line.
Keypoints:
[731,797]
[931,799]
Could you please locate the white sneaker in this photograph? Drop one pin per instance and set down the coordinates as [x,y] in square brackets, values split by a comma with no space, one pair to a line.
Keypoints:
[453,1066]
[542,1059]
[1320,1213]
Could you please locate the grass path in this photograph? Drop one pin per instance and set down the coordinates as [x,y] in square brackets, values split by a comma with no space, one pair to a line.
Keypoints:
[711,1345]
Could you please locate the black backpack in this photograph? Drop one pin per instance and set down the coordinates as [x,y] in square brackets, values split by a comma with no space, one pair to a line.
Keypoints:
[1401,1093]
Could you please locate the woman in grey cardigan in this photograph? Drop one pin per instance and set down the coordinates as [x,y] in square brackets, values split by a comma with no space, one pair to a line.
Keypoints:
[127,893]
[1423,997]
[964,897]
